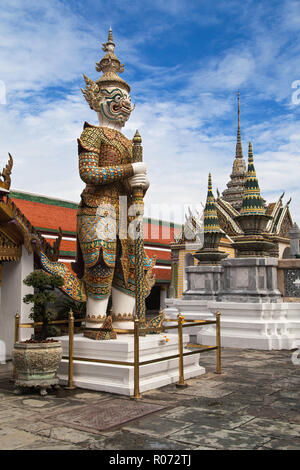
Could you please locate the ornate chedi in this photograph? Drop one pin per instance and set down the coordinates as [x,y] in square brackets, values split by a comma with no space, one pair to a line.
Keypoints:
[106,255]
[209,253]
[253,218]
[229,206]
[235,187]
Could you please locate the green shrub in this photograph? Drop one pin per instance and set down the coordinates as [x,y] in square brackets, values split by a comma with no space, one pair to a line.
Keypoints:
[43,285]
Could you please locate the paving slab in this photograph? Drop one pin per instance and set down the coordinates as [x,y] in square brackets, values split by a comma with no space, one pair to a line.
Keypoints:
[283,444]
[149,426]
[50,444]
[215,418]
[125,440]
[267,427]
[74,436]
[202,390]
[219,438]
[11,439]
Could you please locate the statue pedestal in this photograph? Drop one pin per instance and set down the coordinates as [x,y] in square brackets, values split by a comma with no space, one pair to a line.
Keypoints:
[118,378]
[255,325]
[249,325]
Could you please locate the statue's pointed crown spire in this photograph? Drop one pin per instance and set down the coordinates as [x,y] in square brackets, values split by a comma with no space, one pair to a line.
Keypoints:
[211,221]
[110,65]
[252,200]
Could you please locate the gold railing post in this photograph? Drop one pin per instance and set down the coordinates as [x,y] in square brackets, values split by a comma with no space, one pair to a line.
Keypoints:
[71,352]
[17,326]
[218,341]
[136,359]
[181,383]
[17,323]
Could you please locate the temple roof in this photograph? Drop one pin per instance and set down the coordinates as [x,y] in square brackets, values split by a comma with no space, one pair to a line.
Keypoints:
[16,229]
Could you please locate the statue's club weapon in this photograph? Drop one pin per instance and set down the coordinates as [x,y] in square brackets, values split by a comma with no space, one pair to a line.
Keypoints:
[138,194]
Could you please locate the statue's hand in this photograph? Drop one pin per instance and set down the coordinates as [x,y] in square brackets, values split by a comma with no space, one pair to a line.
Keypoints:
[139,168]
[139,181]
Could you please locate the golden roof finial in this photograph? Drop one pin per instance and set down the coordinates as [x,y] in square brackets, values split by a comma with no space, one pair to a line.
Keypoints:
[5,179]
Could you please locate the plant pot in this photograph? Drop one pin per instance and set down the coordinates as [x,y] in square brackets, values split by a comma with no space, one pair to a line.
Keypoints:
[36,365]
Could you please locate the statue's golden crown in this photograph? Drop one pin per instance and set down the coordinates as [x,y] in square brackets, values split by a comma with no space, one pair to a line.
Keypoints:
[110,65]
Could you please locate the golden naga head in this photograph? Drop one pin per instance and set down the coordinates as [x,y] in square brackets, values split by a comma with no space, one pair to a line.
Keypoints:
[109,95]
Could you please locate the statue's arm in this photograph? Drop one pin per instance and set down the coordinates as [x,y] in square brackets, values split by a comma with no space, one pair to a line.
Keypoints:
[91,173]
[90,169]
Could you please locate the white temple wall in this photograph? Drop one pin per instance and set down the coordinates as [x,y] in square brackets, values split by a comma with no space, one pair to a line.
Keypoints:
[11,300]
[281,248]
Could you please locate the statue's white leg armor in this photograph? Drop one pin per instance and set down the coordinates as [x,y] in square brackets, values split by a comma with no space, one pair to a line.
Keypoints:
[122,304]
[95,307]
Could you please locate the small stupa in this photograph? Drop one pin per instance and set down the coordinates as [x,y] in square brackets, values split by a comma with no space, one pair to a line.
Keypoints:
[253,218]
[209,253]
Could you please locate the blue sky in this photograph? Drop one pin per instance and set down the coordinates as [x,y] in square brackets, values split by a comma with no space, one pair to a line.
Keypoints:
[185,61]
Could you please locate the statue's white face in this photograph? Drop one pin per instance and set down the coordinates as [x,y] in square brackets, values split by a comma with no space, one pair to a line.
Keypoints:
[115,105]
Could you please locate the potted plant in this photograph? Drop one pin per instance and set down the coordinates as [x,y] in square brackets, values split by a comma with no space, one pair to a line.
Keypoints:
[62,307]
[36,360]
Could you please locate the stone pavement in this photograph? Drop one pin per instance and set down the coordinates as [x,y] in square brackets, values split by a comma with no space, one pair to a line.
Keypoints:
[254,404]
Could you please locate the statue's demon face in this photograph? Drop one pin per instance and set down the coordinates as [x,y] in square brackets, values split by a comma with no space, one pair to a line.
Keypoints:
[115,104]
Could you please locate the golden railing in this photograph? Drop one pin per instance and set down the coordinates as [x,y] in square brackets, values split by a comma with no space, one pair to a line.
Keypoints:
[137,332]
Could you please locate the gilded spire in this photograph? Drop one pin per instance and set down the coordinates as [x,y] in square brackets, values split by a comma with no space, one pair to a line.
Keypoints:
[211,221]
[252,200]
[234,192]
[238,148]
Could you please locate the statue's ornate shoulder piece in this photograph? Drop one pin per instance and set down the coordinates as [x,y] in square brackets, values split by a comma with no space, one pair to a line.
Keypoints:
[90,138]
[118,140]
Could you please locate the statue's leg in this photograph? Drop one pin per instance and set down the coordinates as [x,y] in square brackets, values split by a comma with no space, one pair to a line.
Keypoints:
[122,304]
[94,309]
[98,280]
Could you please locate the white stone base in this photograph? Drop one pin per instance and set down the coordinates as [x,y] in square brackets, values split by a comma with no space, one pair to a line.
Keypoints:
[120,379]
[252,325]
[191,310]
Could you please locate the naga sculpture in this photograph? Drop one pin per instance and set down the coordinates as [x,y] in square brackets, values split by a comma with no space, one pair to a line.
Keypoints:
[105,263]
